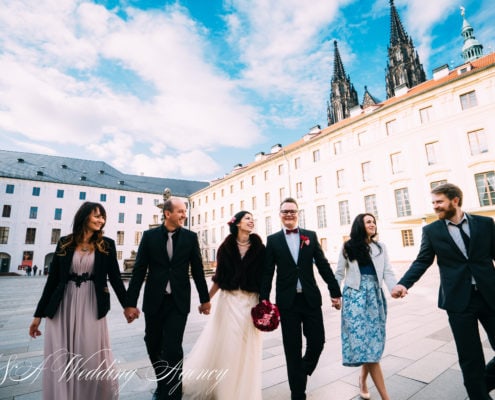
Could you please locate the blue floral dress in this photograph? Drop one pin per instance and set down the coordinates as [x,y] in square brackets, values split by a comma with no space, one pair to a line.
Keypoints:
[364,314]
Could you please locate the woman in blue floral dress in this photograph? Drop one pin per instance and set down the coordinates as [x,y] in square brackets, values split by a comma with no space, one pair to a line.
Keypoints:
[363,266]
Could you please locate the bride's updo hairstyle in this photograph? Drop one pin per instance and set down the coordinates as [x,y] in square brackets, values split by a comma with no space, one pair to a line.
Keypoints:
[235,220]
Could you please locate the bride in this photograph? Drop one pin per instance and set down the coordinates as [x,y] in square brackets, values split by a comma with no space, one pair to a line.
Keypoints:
[225,362]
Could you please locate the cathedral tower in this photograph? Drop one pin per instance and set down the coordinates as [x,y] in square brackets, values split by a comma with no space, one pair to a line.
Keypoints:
[343,96]
[403,66]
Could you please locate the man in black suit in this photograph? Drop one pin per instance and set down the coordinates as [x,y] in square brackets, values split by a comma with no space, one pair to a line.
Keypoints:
[165,253]
[294,251]
[464,245]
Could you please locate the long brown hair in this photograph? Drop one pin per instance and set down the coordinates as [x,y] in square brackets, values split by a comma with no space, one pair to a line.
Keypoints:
[79,223]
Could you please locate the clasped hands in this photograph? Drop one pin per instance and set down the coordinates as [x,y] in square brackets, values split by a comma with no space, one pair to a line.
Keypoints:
[398,291]
[131,313]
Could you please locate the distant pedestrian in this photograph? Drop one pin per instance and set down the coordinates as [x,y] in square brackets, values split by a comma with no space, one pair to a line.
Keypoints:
[28,270]
[35,269]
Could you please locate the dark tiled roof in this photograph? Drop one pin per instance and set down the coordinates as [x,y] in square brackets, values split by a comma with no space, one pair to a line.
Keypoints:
[74,171]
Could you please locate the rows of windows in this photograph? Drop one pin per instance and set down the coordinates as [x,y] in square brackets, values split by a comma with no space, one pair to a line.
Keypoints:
[30,237]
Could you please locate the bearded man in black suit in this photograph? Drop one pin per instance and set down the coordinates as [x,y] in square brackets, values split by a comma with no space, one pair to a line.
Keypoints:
[165,254]
[294,251]
[464,245]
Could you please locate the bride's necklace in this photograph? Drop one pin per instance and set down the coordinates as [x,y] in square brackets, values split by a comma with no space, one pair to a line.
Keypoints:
[247,243]
[85,247]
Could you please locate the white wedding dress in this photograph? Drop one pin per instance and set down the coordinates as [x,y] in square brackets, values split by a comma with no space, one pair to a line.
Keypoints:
[225,362]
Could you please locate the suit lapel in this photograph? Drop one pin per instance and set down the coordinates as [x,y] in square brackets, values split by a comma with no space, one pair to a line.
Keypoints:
[444,230]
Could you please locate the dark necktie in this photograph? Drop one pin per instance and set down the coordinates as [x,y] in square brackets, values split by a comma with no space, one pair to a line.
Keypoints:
[465,237]
[170,245]
[288,231]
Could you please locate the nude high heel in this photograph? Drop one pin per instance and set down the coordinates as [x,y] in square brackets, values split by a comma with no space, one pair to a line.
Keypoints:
[363,395]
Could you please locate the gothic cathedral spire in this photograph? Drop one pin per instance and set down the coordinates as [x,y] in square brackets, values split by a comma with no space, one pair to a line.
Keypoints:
[403,66]
[472,49]
[343,96]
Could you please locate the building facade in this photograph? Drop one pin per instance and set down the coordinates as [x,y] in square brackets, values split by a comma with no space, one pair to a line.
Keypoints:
[40,194]
[384,159]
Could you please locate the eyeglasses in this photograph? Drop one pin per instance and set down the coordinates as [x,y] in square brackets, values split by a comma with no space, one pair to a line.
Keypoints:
[288,212]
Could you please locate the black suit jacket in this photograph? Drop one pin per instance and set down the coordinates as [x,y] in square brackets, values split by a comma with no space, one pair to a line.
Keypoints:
[152,258]
[455,269]
[106,265]
[288,271]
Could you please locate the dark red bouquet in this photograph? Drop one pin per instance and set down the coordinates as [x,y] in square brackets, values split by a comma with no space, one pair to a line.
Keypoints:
[266,316]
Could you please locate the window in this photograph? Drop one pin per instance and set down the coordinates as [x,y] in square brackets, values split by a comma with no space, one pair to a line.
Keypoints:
[103,197]
[214,195]
[33,213]
[199,219]
[366,171]
[213,215]
[58,214]
[120,238]
[122,200]
[60,193]
[267,199]
[299,190]
[337,148]
[281,169]
[485,185]
[468,100]
[139,218]
[268,225]
[121,218]
[253,180]
[345,218]
[396,161]
[55,235]
[140,201]
[222,212]
[206,197]
[407,237]
[82,195]
[433,185]
[119,254]
[206,216]
[324,244]
[302,219]
[6,211]
[222,232]
[370,205]
[478,142]
[137,237]
[316,155]
[363,138]
[253,202]
[318,185]
[321,216]
[425,114]
[36,191]
[402,202]
[213,236]
[9,189]
[192,220]
[30,235]
[431,153]
[222,192]
[241,185]
[231,188]
[266,175]
[391,127]
[4,234]
[281,194]
[297,163]
[340,178]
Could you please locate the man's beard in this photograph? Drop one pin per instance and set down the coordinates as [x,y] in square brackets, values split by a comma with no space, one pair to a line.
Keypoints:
[448,213]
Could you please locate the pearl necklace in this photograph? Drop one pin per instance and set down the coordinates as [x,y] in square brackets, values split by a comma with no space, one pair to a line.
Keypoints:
[243,243]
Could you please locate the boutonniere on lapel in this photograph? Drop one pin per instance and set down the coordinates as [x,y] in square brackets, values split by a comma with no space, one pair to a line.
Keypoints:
[304,241]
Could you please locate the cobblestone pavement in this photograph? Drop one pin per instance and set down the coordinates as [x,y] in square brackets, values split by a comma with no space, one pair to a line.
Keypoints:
[419,363]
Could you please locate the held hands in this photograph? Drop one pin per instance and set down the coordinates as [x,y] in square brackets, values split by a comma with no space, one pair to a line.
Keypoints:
[399,291]
[33,328]
[336,302]
[205,308]
[131,313]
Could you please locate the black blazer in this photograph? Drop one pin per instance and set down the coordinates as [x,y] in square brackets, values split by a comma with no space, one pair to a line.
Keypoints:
[152,258]
[455,269]
[277,252]
[106,265]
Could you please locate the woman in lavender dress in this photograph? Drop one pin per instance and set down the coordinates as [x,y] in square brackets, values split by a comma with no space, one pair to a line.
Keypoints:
[78,361]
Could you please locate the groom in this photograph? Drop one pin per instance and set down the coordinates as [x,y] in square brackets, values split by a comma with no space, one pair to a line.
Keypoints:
[164,255]
[294,251]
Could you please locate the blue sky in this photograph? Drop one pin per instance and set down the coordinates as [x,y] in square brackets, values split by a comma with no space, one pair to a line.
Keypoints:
[188,89]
